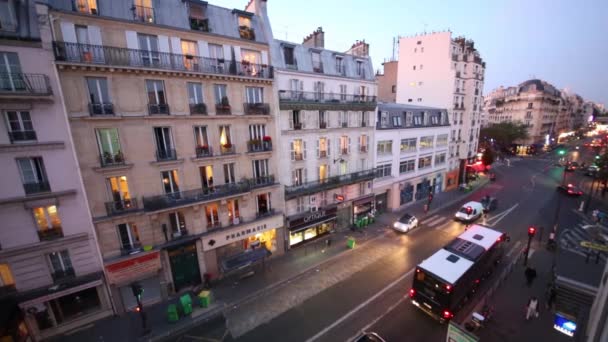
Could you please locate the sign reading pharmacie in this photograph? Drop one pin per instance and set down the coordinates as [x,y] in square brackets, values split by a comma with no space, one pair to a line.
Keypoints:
[302,221]
[124,271]
[240,232]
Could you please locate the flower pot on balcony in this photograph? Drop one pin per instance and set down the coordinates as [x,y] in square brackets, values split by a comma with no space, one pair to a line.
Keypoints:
[87,56]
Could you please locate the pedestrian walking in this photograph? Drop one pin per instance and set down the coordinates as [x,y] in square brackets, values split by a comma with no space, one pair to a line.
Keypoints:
[532,308]
[530,274]
[595,215]
[551,297]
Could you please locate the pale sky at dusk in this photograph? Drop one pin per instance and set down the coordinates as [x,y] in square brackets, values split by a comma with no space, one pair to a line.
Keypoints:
[562,42]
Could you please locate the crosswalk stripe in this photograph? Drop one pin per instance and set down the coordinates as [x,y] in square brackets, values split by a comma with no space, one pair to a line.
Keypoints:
[437,221]
[429,219]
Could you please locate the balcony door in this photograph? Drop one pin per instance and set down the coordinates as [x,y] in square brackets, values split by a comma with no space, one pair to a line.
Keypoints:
[263,203]
[109,146]
[323,172]
[211,213]
[206,173]
[254,94]
[129,236]
[148,49]
[189,52]
[170,182]
[260,168]
[99,97]
[11,78]
[164,142]
[229,175]
[118,187]
[61,264]
[32,172]
[257,132]
[234,216]
[178,224]
[20,126]
[200,136]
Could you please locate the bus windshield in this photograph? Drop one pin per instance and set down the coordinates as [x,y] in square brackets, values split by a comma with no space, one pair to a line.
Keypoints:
[432,288]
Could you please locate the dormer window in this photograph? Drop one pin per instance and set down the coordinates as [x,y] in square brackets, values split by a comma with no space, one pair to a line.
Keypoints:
[288,56]
[8,16]
[84,6]
[340,65]
[360,70]
[317,65]
[245,30]
[198,19]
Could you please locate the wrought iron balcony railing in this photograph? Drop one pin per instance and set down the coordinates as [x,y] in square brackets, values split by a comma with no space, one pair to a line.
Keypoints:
[24,84]
[222,109]
[204,151]
[314,97]
[34,188]
[259,146]
[158,109]
[50,234]
[63,274]
[22,135]
[117,56]
[165,155]
[227,149]
[198,109]
[109,159]
[120,207]
[96,109]
[256,108]
[328,183]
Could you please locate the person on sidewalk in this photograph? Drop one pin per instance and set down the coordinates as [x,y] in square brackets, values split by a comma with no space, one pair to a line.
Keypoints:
[551,296]
[530,274]
[532,308]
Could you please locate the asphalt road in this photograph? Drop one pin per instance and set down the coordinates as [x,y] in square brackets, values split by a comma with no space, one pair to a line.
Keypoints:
[374,298]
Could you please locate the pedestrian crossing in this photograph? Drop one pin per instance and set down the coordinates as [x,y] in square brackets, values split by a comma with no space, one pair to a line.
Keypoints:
[434,221]
[571,238]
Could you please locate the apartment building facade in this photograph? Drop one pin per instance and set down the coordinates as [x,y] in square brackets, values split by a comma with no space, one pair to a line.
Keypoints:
[438,70]
[51,272]
[326,101]
[411,153]
[171,108]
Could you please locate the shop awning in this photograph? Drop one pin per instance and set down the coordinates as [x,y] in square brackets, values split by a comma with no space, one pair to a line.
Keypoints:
[300,228]
[244,259]
[50,292]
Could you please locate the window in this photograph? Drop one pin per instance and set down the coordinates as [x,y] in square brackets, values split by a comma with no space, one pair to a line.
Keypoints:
[201,139]
[344,145]
[260,169]
[213,218]
[383,171]
[397,120]
[442,139]
[254,95]
[299,176]
[323,148]
[250,62]
[244,21]
[317,66]
[426,142]
[384,119]
[109,146]
[439,159]
[363,143]
[148,49]
[170,182]
[360,69]
[323,172]
[301,204]
[343,90]
[61,264]
[414,67]
[226,145]
[164,143]
[9,65]
[298,149]
[322,119]
[408,145]
[129,236]
[178,224]
[529,105]
[319,90]
[195,93]
[229,174]
[33,175]
[234,216]
[406,166]
[288,56]
[6,276]
[189,52]
[339,65]
[528,115]
[418,119]
[424,162]
[216,51]
[343,119]
[157,102]
[99,97]
[20,127]
[257,132]
[48,222]
[220,93]
[118,188]
[144,11]
[385,147]
[8,18]
[394,89]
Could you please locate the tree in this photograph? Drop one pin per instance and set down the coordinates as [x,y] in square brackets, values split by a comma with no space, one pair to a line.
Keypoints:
[505,133]
[487,158]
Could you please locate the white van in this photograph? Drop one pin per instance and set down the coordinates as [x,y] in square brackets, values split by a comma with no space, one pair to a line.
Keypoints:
[469,212]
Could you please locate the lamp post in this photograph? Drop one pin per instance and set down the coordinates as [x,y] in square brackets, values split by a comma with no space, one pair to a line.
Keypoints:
[531,232]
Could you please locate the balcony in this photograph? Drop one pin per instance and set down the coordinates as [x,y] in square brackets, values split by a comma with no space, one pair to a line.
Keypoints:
[297,126]
[322,124]
[317,67]
[143,14]
[198,109]
[246,32]
[34,188]
[260,182]
[108,159]
[123,57]
[322,153]
[16,136]
[200,24]
[343,151]
[63,274]
[20,84]
[291,96]
[50,234]
[120,207]
[227,149]
[101,109]
[256,108]
[166,155]
[363,148]
[158,109]
[204,151]
[131,248]
[328,183]
[222,109]
[257,145]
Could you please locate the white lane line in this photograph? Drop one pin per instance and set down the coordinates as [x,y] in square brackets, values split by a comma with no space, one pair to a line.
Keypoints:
[515,247]
[503,215]
[372,323]
[429,219]
[361,306]
[437,221]
[443,225]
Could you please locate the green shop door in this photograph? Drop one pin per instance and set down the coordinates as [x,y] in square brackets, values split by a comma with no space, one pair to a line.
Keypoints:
[184,266]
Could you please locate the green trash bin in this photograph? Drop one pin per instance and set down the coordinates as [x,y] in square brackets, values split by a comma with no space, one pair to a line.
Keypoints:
[204,299]
[172,314]
[186,302]
[365,221]
[350,243]
[371,219]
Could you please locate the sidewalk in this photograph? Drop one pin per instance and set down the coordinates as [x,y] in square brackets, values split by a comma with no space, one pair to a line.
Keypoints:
[232,292]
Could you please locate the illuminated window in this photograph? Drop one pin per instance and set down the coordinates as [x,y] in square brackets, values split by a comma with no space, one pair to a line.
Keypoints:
[47,218]
[6,276]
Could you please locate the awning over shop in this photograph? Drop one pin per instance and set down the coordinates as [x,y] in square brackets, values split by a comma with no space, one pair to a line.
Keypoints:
[244,259]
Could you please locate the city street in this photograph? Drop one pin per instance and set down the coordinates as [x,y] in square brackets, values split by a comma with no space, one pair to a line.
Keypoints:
[374,297]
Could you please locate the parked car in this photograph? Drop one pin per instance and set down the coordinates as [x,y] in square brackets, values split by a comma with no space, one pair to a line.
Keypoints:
[369,337]
[571,166]
[570,189]
[406,223]
[592,170]
[469,212]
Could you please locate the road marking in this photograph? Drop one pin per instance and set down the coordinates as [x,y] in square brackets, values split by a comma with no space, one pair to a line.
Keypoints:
[361,306]
[437,221]
[429,219]
[390,308]
[443,225]
[500,216]
[514,248]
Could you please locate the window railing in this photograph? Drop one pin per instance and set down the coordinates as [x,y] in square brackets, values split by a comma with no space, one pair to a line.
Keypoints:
[328,183]
[120,207]
[143,14]
[214,225]
[261,181]
[298,156]
[317,67]
[222,109]
[34,188]
[246,32]
[117,56]
[227,149]
[301,96]
[322,153]
[198,109]
[63,274]
[130,248]
[256,108]
[259,146]
[204,151]
[297,126]
[363,148]
[50,234]
[24,84]
[167,154]
[96,109]
[322,124]
[265,213]
[344,124]
[158,109]
[22,136]
[200,24]
[179,233]
[344,151]
[109,159]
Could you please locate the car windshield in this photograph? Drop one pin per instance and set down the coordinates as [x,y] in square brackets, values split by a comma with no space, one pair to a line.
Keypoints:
[464,210]
[405,218]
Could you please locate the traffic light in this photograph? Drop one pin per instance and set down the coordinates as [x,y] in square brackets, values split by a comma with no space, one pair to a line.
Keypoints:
[597,156]
[561,152]
[531,231]
[137,289]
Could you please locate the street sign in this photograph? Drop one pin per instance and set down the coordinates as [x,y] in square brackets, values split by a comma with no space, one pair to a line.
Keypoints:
[456,333]
[596,246]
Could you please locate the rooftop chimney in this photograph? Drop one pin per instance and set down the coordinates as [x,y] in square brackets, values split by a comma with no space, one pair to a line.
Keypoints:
[360,48]
[315,39]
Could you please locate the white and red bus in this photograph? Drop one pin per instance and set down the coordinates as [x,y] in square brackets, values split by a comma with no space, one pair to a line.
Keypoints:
[446,280]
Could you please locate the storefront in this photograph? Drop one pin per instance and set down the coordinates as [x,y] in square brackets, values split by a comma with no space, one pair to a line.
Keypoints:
[406,193]
[312,225]
[184,266]
[382,202]
[143,268]
[451,180]
[363,207]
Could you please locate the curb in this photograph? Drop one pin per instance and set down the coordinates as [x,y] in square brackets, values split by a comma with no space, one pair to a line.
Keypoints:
[216,312]
[449,203]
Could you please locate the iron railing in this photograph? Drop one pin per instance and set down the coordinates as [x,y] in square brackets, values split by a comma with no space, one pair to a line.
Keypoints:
[317,67]
[117,56]
[158,109]
[328,183]
[268,212]
[200,24]
[50,234]
[33,188]
[109,159]
[204,151]
[166,154]
[227,149]
[24,84]
[302,96]
[130,248]
[198,109]
[256,108]
[96,109]
[262,181]
[222,109]
[63,274]
[143,14]
[259,146]
[322,124]
[120,207]
[22,135]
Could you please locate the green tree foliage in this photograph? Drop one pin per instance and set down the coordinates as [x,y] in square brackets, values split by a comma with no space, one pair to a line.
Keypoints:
[505,133]
[488,156]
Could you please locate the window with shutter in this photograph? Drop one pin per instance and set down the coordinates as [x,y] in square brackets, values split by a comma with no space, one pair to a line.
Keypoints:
[304,148]
[293,152]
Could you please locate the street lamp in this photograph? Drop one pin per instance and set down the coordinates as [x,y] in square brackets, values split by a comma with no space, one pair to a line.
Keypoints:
[531,232]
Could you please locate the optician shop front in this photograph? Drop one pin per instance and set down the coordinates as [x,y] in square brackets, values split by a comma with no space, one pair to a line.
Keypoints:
[311,225]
